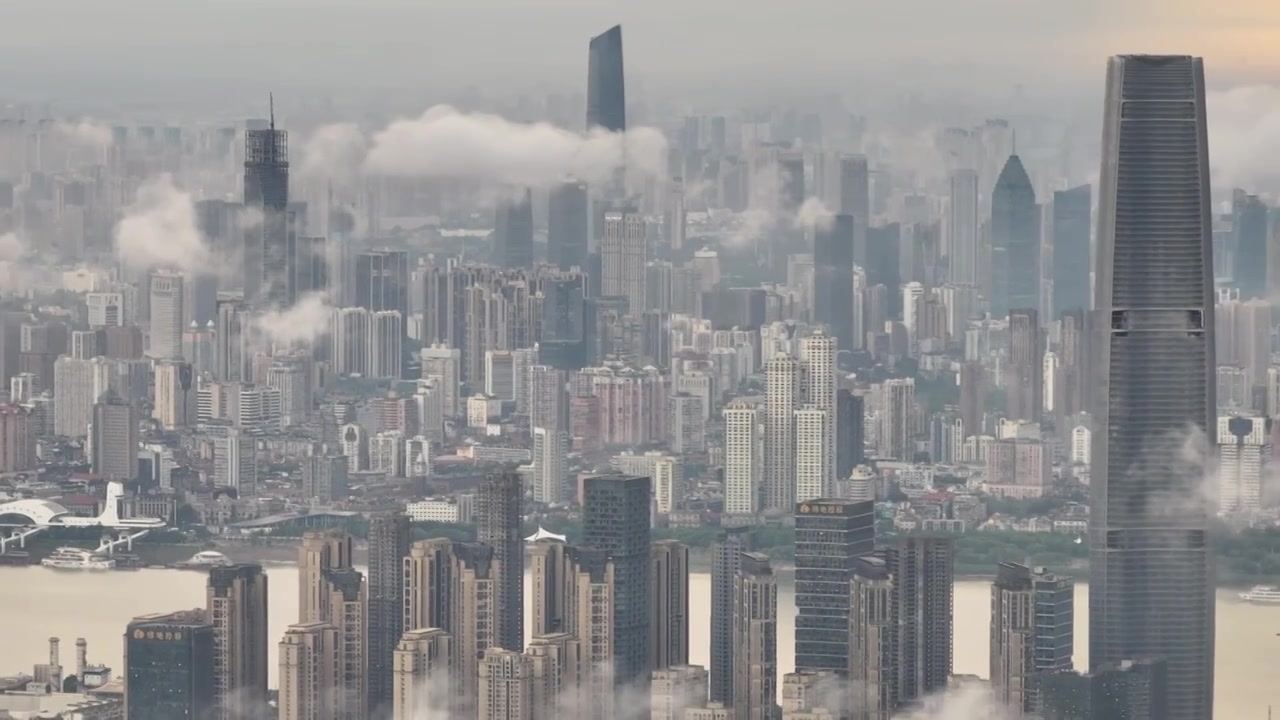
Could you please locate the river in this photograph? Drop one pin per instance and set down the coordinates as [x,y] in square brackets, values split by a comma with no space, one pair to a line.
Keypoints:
[37,603]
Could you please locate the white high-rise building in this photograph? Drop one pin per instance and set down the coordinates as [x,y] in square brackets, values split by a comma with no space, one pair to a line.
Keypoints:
[742,459]
[290,379]
[1273,392]
[666,474]
[1081,445]
[429,398]
[622,259]
[819,354]
[77,386]
[417,456]
[1244,453]
[235,462]
[105,309]
[1050,372]
[166,316]
[355,445]
[784,391]
[548,465]
[386,453]
[813,457]
[962,227]
[500,374]
[912,296]
[385,344]
[445,363]
[175,406]
[349,331]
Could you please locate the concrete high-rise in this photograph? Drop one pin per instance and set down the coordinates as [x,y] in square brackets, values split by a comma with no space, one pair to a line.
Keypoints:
[422,674]
[923,574]
[1244,459]
[743,459]
[381,281]
[236,604]
[499,515]
[962,228]
[833,278]
[115,438]
[168,661]
[166,316]
[726,559]
[668,604]
[1072,230]
[348,614]
[623,253]
[1249,236]
[319,552]
[897,427]
[1032,616]
[755,639]
[606,88]
[513,232]
[829,535]
[506,686]
[1154,331]
[873,640]
[1024,377]
[784,393]
[1015,241]
[309,672]
[818,351]
[388,546]
[675,690]
[616,521]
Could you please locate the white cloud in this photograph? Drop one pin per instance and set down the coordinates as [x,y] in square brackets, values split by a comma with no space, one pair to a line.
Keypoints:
[160,230]
[1244,138]
[814,214]
[86,132]
[305,321]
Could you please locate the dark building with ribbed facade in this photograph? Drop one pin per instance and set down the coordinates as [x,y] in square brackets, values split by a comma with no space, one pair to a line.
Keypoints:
[615,520]
[1072,230]
[833,279]
[168,660]
[830,534]
[1151,578]
[499,515]
[389,538]
[1015,241]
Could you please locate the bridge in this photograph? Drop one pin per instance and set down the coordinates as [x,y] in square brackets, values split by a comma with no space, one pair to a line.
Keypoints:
[41,515]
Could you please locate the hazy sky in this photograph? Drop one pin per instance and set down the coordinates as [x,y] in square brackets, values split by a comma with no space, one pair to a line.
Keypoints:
[61,47]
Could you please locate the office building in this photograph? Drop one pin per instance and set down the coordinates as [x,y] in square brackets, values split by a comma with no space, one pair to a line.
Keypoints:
[309,678]
[1249,244]
[623,255]
[1032,617]
[115,438]
[265,255]
[606,88]
[1154,254]
[1124,690]
[168,660]
[175,395]
[236,604]
[324,477]
[755,639]
[385,345]
[166,316]
[962,227]
[513,231]
[382,281]
[77,383]
[388,546]
[1015,241]
[568,209]
[499,519]
[850,433]
[833,278]
[668,604]
[1072,230]
[897,425]
[726,559]
[235,461]
[616,521]
[1024,378]
[829,535]
[563,343]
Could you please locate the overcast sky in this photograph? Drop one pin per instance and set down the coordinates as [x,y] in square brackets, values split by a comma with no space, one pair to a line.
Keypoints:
[62,47]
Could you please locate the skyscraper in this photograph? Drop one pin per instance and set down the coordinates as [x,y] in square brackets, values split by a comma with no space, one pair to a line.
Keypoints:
[166,316]
[606,89]
[622,259]
[499,516]
[615,521]
[266,191]
[1249,236]
[309,672]
[388,546]
[668,604]
[819,354]
[783,396]
[506,685]
[236,603]
[568,224]
[513,232]
[115,438]
[1154,325]
[755,639]
[742,459]
[563,342]
[319,552]
[168,659]
[1024,378]
[829,535]
[1031,632]
[962,228]
[1015,241]
[382,281]
[423,674]
[833,278]
[1244,456]
[923,575]
[726,558]
[1072,216]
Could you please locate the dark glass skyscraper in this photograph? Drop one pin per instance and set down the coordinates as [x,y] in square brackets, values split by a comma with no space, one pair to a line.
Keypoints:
[513,232]
[499,515]
[266,191]
[1072,215]
[606,87]
[1249,244]
[568,218]
[615,520]
[833,279]
[829,535]
[563,343]
[388,546]
[382,281]
[884,264]
[1151,573]
[1015,241]
[726,559]
[169,671]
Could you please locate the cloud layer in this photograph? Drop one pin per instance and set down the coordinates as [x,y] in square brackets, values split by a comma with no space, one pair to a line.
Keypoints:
[160,230]
[444,142]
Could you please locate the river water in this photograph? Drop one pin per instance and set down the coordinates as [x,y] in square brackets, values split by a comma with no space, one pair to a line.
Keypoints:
[37,603]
